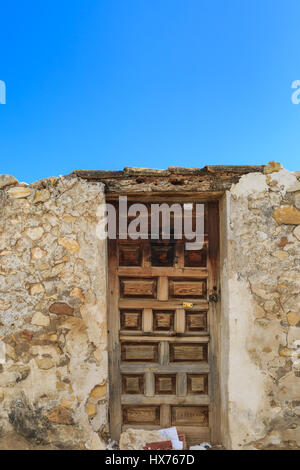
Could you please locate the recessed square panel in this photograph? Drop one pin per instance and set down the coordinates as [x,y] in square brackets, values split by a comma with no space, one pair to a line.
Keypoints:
[136,287]
[188,352]
[130,254]
[143,415]
[139,352]
[133,383]
[195,321]
[163,320]
[196,258]
[190,416]
[131,320]
[192,289]
[197,384]
[165,384]
[162,253]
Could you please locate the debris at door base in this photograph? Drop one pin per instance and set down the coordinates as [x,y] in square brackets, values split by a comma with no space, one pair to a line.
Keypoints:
[136,439]
[112,445]
[162,439]
[202,446]
[162,445]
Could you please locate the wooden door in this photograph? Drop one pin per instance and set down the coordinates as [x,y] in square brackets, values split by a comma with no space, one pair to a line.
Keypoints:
[163,332]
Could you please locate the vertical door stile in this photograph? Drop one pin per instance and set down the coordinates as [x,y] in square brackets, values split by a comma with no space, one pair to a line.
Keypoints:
[114,353]
[212,217]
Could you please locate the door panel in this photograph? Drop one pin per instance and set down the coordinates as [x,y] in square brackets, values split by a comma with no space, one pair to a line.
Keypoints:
[162,355]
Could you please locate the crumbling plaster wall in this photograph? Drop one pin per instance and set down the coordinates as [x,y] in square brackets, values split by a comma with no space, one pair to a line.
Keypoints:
[260,338]
[53,335]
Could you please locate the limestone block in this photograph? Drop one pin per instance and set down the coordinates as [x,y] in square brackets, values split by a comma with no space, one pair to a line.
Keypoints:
[35,233]
[19,192]
[2,352]
[4,305]
[41,196]
[297,232]
[44,363]
[280,254]
[288,215]
[40,320]
[37,288]
[10,352]
[293,318]
[71,245]
[272,167]
[295,187]
[7,180]
[37,253]
[5,252]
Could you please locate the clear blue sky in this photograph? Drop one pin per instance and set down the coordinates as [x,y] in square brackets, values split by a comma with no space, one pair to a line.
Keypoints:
[103,84]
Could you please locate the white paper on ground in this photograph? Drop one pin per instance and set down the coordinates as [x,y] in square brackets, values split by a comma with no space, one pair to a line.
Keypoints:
[169,433]
[177,445]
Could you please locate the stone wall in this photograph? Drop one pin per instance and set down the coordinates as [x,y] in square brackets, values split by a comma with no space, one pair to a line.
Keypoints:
[261,310]
[53,338]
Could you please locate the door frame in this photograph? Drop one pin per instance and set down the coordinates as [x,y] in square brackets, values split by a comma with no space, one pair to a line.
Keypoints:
[114,353]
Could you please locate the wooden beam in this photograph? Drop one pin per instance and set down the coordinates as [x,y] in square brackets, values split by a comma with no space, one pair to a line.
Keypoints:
[164,400]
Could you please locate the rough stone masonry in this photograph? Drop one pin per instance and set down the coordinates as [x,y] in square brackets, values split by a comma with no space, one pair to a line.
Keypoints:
[53,334]
[53,372]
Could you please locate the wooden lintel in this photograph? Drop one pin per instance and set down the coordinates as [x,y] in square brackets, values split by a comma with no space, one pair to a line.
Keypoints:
[210,180]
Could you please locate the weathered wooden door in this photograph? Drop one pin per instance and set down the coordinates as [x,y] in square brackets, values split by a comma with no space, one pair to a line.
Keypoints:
[163,328]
